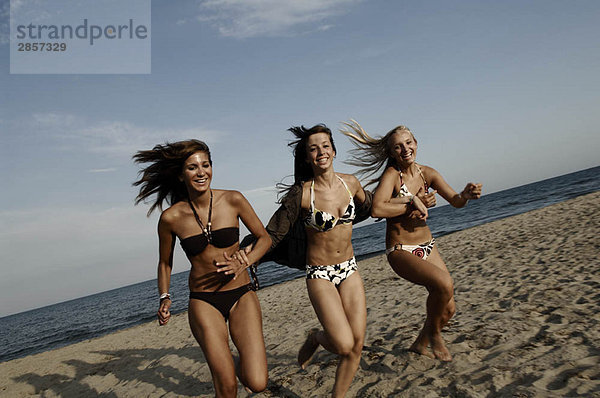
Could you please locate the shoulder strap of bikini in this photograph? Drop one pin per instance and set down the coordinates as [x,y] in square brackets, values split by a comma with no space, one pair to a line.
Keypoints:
[423,178]
[346,186]
[312,196]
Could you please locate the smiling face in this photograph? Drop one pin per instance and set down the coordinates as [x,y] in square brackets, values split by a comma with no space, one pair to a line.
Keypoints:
[319,151]
[403,147]
[197,172]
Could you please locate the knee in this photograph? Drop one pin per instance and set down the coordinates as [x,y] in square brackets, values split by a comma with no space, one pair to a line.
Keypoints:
[450,309]
[352,348]
[358,346]
[257,384]
[446,287]
[226,388]
[344,347]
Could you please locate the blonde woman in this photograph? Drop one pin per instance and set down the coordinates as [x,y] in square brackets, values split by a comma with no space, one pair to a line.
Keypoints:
[403,189]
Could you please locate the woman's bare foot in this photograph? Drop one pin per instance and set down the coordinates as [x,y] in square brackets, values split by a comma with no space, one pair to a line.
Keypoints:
[308,349]
[439,349]
[420,344]
[421,350]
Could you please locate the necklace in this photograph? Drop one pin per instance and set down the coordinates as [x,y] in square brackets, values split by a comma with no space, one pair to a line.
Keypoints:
[208,230]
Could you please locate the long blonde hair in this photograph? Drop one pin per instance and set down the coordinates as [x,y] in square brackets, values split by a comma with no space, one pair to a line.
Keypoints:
[370,154]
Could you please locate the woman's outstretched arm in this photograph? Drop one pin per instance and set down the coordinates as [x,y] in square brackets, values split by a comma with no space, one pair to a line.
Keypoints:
[471,190]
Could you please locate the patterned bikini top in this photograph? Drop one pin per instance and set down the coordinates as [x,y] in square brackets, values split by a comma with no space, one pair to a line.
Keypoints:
[404,189]
[323,221]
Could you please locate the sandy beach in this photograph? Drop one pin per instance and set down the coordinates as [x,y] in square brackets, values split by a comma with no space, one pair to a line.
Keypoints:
[527,324]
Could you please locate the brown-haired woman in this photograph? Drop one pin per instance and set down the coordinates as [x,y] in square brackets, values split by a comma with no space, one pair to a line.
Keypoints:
[206,221]
[325,204]
[410,246]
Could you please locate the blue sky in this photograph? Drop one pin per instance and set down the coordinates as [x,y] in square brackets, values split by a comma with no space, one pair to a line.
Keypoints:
[502,93]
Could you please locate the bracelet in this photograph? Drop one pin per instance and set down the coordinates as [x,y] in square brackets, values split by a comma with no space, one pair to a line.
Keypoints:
[411,200]
[164,296]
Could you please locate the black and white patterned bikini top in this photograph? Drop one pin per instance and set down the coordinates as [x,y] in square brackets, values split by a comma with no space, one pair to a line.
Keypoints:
[323,221]
[404,189]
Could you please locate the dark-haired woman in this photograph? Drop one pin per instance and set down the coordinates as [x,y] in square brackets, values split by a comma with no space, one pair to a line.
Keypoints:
[411,251]
[206,221]
[325,202]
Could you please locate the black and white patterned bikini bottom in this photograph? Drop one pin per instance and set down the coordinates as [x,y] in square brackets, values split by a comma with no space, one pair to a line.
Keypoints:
[336,273]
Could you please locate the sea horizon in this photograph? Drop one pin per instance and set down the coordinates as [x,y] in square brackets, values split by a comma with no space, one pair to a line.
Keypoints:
[362,225]
[67,322]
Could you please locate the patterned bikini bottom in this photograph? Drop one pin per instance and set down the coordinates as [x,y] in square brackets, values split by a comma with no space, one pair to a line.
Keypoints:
[423,250]
[336,273]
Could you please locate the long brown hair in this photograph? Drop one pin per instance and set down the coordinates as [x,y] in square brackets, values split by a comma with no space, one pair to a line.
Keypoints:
[161,176]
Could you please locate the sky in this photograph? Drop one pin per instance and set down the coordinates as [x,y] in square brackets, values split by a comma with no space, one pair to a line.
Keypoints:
[502,93]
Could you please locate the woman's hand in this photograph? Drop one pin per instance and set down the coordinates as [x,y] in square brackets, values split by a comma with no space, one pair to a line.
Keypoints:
[164,313]
[471,191]
[234,264]
[420,210]
[428,199]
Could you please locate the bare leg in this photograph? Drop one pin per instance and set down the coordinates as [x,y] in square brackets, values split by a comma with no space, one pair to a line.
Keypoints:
[309,348]
[450,308]
[437,260]
[245,326]
[438,282]
[352,293]
[210,330]
[343,316]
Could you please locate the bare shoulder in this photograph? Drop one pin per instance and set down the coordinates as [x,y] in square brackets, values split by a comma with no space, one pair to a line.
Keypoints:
[348,178]
[169,217]
[229,196]
[389,172]
[428,172]
[351,181]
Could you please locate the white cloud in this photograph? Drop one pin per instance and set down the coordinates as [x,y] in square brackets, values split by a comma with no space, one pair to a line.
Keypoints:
[114,138]
[252,18]
[55,120]
[269,190]
[107,170]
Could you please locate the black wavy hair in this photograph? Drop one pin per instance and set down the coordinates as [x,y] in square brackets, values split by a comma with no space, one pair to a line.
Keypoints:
[302,169]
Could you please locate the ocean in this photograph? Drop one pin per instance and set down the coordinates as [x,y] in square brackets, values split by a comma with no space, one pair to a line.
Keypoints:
[84,318]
